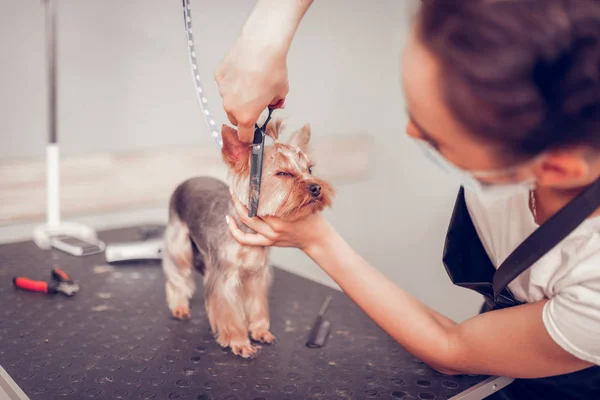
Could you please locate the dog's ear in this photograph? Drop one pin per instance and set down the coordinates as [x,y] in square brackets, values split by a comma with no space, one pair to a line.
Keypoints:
[235,152]
[274,128]
[301,138]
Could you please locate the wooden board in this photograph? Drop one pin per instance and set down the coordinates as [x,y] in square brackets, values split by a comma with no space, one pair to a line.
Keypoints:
[97,183]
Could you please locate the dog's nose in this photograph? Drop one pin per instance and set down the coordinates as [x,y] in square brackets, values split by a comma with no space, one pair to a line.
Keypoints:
[314,189]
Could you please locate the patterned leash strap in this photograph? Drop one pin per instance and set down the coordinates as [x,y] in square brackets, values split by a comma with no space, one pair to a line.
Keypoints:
[210,122]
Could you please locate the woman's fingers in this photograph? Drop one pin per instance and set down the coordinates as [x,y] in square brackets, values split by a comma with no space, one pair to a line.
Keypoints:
[256,224]
[245,128]
[278,103]
[249,239]
[274,223]
[232,119]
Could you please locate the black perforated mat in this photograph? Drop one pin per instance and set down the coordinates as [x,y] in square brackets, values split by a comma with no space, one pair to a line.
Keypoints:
[116,340]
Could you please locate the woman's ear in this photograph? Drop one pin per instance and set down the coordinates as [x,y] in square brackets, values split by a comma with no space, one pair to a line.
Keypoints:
[235,152]
[563,170]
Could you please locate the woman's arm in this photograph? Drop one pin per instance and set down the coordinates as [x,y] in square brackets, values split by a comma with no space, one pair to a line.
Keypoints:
[511,342]
[274,22]
[418,328]
[254,73]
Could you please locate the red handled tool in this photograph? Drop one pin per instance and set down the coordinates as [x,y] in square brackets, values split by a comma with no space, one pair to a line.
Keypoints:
[61,283]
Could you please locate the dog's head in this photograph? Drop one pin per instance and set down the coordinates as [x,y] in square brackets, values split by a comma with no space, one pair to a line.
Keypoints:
[289,189]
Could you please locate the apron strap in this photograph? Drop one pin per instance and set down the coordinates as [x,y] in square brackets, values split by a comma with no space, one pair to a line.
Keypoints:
[548,235]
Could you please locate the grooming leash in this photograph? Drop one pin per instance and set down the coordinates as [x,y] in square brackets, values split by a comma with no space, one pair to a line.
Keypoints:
[210,122]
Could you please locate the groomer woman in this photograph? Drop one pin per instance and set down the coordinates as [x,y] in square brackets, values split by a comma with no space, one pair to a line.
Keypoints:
[505,96]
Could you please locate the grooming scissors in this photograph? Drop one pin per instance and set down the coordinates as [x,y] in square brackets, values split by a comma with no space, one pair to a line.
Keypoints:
[258,147]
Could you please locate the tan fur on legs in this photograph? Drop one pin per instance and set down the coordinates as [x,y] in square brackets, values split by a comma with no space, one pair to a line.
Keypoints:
[177,266]
[256,304]
[226,313]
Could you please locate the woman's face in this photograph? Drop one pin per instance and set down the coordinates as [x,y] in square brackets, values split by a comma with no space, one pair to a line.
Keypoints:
[431,120]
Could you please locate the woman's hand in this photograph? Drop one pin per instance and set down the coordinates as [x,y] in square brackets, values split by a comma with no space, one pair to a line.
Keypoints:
[254,73]
[271,231]
[251,77]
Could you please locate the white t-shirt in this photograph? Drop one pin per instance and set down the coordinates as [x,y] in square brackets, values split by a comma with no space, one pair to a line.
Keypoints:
[568,275]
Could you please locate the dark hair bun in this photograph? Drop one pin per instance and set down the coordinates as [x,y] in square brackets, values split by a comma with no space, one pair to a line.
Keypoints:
[525,74]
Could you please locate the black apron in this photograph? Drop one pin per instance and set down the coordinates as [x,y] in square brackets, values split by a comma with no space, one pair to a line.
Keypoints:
[469,266]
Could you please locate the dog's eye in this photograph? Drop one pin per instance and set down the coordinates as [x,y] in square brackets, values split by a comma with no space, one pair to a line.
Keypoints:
[310,169]
[283,173]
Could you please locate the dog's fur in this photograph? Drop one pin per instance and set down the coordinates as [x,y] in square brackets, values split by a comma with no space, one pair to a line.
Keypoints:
[236,277]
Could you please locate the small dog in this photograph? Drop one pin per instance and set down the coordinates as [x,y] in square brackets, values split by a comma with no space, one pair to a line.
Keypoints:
[236,278]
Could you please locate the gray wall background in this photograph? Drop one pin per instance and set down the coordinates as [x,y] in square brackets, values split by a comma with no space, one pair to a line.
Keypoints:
[125,84]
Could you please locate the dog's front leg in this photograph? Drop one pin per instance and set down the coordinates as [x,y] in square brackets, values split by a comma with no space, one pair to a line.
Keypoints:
[256,304]
[225,309]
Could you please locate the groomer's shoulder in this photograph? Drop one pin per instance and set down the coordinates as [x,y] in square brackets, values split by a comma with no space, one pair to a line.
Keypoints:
[572,315]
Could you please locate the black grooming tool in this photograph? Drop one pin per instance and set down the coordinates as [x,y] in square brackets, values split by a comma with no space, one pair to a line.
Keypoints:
[258,147]
[320,329]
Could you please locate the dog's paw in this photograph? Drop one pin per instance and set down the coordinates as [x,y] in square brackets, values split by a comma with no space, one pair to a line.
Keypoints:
[182,312]
[264,337]
[221,341]
[244,349]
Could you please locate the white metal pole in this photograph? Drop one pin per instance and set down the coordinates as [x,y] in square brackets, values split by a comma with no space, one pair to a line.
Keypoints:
[52,149]
[43,234]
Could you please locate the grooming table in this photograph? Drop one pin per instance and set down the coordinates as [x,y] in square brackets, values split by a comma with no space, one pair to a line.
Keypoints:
[116,339]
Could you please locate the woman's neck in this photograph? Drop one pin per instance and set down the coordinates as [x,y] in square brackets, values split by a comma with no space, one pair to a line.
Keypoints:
[548,201]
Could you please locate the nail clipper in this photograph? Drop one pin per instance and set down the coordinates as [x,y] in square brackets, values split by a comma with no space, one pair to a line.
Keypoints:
[61,283]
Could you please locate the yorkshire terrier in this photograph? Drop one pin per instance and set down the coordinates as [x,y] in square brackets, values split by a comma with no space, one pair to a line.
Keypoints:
[236,277]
